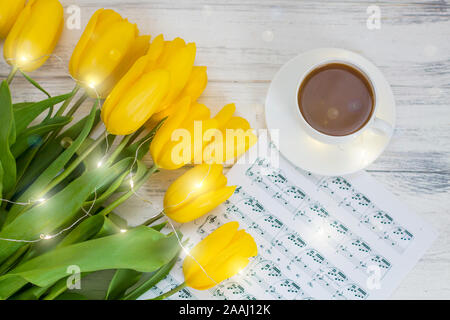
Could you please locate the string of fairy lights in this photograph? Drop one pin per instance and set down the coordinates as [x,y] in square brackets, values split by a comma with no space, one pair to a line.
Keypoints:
[100,163]
[43,236]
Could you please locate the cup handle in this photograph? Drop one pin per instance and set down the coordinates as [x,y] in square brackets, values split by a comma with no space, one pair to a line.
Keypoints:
[381,126]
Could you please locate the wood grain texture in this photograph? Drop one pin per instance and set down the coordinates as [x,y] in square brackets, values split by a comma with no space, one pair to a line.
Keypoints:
[244,43]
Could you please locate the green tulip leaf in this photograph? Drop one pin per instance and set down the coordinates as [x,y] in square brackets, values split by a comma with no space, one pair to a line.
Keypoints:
[33,293]
[58,211]
[105,194]
[71,296]
[141,170]
[53,150]
[142,249]
[118,220]
[84,231]
[25,159]
[1,182]
[20,105]
[108,228]
[35,134]
[35,84]
[53,169]
[159,227]
[152,281]
[6,138]
[14,259]
[122,280]
[26,114]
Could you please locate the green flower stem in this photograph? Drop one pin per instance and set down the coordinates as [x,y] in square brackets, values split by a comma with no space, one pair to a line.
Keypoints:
[70,113]
[153,219]
[73,165]
[68,101]
[127,195]
[12,74]
[171,292]
[119,149]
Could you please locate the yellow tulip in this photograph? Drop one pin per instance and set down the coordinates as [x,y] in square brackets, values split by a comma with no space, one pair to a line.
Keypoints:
[221,255]
[34,34]
[135,97]
[9,10]
[175,143]
[108,47]
[193,89]
[235,137]
[196,192]
[178,58]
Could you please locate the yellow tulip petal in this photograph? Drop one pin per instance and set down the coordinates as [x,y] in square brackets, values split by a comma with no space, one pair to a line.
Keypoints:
[106,53]
[198,180]
[138,103]
[180,66]
[137,50]
[237,123]
[246,244]
[157,117]
[82,43]
[240,138]
[9,11]
[194,88]
[169,156]
[170,48]
[9,47]
[210,247]
[196,83]
[155,50]
[47,19]
[35,34]
[225,114]
[163,135]
[203,281]
[106,18]
[123,85]
[197,112]
[106,50]
[231,260]
[218,257]
[201,205]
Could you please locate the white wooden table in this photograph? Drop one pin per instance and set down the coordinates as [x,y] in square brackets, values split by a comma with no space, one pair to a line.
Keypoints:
[244,43]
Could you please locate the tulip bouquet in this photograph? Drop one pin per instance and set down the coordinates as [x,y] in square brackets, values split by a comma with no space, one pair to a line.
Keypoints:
[60,181]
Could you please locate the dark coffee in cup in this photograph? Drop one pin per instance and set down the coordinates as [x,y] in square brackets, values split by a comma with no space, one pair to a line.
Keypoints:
[336,99]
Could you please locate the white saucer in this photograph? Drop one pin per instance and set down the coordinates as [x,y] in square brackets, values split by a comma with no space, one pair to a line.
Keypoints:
[303,150]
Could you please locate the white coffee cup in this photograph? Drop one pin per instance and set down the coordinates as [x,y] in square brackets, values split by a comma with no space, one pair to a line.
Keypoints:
[377,125]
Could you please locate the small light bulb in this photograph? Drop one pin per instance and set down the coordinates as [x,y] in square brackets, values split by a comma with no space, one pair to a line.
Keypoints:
[199,185]
[23,59]
[123,230]
[91,85]
[131,183]
[41,200]
[45,236]
[99,164]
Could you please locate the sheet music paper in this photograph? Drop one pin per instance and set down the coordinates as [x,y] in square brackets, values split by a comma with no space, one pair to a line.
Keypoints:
[318,237]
